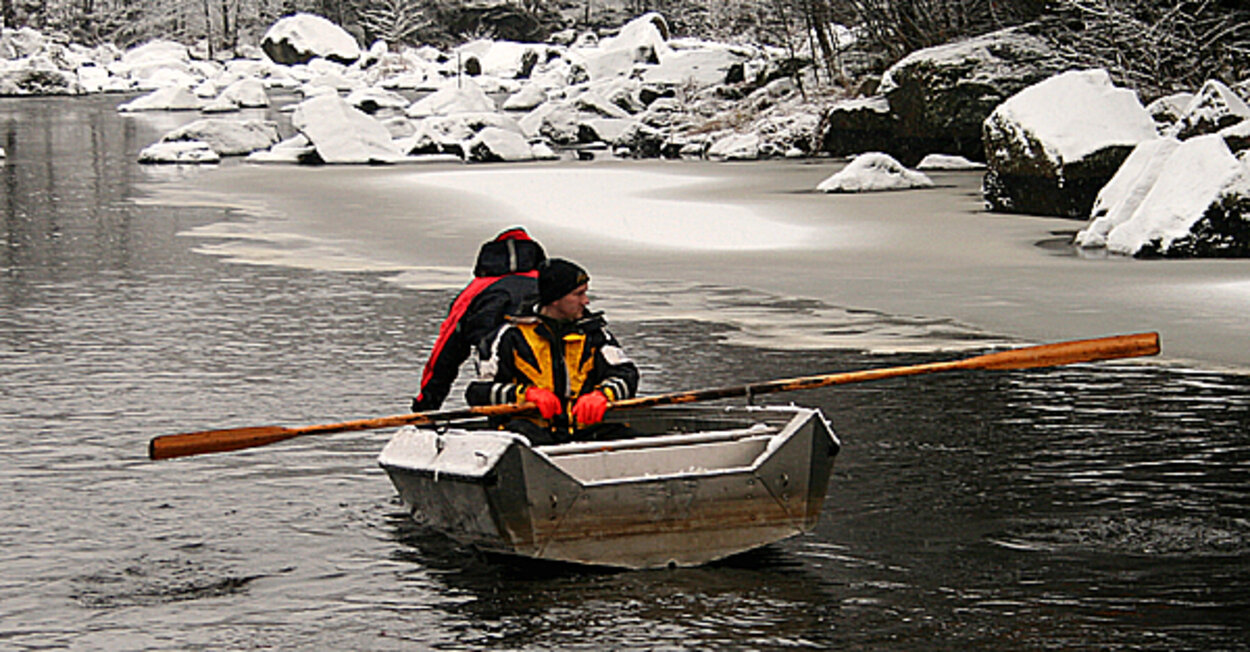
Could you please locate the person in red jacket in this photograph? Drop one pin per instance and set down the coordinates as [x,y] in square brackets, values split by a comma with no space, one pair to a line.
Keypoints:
[505,275]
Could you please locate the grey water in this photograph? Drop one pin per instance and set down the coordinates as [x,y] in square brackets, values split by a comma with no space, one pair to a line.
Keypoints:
[1097,506]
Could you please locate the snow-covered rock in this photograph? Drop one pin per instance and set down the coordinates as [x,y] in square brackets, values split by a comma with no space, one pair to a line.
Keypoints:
[1167,111]
[456,96]
[183,151]
[1214,107]
[493,144]
[295,149]
[700,68]
[874,171]
[1179,198]
[1051,147]
[608,130]
[735,147]
[246,93]
[948,162]
[526,98]
[342,133]
[169,98]
[372,99]
[301,37]
[228,137]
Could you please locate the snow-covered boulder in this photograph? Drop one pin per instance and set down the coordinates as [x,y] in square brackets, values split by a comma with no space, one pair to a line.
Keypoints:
[38,78]
[296,149]
[1051,147]
[448,134]
[1190,198]
[1214,107]
[184,151]
[302,37]
[493,144]
[555,121]
[1167,111]
[941,95]
[456,96]
[373,99]
[948,162]
[246,93]
[93,79]
[169,98]
[505,59]
[700,68]
[342,133]
[608,130]
[874,171]
[1123,194]
[228,137]
[735,147]
[859,125]
[526,98]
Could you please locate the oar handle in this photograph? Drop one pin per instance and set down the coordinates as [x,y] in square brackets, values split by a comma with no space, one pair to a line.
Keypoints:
[231,439]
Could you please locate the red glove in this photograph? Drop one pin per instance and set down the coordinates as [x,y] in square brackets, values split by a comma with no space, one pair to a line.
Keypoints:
[546,400]
[590,408]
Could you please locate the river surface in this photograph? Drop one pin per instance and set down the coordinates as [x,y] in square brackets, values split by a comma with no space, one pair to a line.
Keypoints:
[1102,506]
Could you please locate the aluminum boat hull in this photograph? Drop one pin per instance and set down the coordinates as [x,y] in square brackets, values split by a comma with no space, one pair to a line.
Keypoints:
[706,483]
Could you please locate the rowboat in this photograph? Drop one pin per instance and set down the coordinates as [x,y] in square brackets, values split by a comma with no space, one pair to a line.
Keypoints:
[697,484]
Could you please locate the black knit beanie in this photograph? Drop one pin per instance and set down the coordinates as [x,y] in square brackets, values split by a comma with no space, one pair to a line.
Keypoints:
[557,277]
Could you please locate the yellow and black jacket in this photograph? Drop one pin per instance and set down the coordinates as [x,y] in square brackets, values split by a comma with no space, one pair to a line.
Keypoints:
[568,358]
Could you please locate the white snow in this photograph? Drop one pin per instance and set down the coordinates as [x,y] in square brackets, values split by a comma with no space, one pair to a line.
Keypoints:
[1196,174]
[1123,194]
[1073,115]
[947,162]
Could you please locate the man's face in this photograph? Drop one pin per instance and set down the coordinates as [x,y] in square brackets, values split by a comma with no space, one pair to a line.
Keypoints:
[572,305]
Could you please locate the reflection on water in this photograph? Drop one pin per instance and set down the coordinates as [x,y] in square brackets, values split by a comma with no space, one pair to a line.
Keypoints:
[1097,506]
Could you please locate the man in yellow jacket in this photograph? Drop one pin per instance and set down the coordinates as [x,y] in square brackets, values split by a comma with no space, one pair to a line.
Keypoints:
[560,357]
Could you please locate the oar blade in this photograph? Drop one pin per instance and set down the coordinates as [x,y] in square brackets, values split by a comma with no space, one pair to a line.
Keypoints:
[216,441]
[1063,353]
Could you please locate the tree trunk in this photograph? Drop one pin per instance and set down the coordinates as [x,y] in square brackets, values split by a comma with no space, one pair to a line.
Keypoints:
[208,28]
[229,31]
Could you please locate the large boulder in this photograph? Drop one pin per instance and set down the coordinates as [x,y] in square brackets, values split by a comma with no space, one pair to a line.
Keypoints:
[1177,199]
[303,37]
[342,133]
[942,95]
[858,125]
[1051,147]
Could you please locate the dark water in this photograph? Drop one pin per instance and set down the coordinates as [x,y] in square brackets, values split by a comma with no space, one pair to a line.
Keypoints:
[1101,506]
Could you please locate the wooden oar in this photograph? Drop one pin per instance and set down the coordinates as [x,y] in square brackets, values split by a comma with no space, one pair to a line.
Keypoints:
[1046,355]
